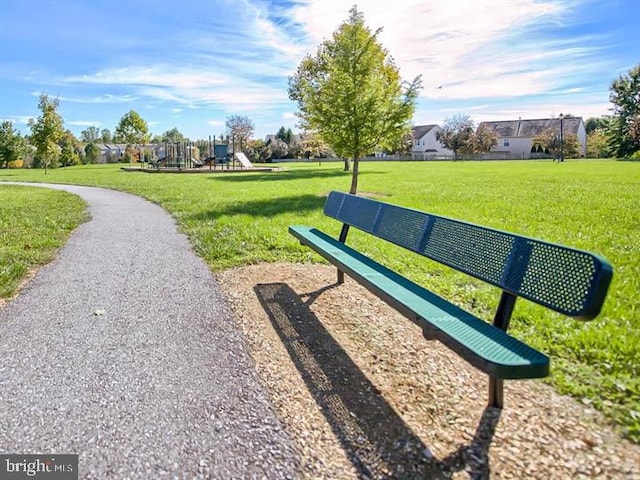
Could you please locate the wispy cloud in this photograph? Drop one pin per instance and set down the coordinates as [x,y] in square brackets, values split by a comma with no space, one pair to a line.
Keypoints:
[21,119]
[485,57]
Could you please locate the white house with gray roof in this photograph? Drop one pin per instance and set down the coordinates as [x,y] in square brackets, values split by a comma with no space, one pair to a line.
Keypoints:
[425,144]
[516,136]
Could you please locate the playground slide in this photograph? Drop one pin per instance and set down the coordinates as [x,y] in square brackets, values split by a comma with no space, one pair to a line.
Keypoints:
[242,158]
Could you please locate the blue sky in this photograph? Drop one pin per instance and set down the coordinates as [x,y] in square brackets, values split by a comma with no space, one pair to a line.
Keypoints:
[191,64]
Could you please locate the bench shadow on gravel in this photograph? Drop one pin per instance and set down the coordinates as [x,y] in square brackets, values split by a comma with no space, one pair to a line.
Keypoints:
[375,438]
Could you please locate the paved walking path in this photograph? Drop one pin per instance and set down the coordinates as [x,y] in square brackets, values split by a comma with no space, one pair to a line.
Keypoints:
[123,351]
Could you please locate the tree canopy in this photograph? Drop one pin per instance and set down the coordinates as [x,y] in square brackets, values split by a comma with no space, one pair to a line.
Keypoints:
[12,145]
[46,132]
[240,127]
[173,136]
[624,129]
[550,140]
[91,134]
[132,129]
[351,94]
[459,135]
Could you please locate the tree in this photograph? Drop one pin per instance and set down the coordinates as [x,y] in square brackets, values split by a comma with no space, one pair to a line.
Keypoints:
[91,134]
[282,134]
[485,140]
[457,134]
[240,128]
[625,95]
[92,153]
[68,153]
[351,93]
[105,135]
[312,145]
[597,144]
[595,123]
[46,132]
[132,129]
[549,139]
[173,136]
[12,145]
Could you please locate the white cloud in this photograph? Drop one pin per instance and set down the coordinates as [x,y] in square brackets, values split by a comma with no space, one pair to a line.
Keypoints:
[471,48]
[215,123]
[22,119]
[100,99]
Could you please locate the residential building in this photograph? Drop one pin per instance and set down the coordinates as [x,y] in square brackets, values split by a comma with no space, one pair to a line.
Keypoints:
[515,137]
[425,144]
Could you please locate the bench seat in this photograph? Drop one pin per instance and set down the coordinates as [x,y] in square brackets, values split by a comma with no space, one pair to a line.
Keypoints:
[483,345]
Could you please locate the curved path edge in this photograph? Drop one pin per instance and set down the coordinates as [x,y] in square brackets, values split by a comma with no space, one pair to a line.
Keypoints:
[123,350]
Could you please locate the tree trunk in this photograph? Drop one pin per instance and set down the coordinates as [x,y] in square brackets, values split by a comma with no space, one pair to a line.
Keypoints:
[354,176]
[346,164]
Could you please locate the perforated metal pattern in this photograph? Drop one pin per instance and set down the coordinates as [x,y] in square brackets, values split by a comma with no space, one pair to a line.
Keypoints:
[559,277]
[359,212]
[401,226]
[566,280]
[332,205]
[474,250]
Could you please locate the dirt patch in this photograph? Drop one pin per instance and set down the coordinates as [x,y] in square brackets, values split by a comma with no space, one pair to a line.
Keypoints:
[364,395]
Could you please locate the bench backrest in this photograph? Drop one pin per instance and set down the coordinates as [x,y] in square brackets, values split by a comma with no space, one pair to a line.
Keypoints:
[569,281]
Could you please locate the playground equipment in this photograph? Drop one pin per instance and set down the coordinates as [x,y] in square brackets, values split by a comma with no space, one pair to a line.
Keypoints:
[189,155]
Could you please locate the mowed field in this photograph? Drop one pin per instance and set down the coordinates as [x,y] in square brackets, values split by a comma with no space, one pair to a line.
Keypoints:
[239,219]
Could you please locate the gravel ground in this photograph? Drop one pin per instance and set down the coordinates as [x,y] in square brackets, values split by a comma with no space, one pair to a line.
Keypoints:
[123,351]
[365,396]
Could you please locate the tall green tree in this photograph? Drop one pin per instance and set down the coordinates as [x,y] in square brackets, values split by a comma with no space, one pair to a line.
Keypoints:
[69,147]
[132,129]
[92,153]
[105,135]
[350,92]
[12,145]
[46,132]
[624,94]
[91,134]
[173,136]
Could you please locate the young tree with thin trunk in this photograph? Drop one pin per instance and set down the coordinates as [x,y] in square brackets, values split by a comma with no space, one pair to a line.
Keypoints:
[351,94]
[132,129]
[46,132]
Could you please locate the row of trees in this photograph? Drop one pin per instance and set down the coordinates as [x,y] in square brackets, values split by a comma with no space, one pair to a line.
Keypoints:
[50,145]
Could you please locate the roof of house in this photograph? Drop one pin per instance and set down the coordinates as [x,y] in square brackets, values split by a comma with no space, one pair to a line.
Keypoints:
[530,128]
[420,131]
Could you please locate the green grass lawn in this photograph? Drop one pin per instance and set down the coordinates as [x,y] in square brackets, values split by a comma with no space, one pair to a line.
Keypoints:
[238,219]
[34,223]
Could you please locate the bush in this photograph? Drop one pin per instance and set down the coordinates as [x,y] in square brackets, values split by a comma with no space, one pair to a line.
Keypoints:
[16,164]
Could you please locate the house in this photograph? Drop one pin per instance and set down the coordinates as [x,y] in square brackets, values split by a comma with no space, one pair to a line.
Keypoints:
[515,137]
[110,152]
[425,144]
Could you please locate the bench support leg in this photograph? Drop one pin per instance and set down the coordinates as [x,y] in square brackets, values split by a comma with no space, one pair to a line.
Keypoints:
[342,238]
[501,320]
[495,392]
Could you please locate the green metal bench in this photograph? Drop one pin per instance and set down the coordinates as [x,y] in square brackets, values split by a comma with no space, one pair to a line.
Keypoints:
[569,281]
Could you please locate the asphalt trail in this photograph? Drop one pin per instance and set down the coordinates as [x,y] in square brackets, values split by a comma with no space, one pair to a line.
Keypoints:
[123,351]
